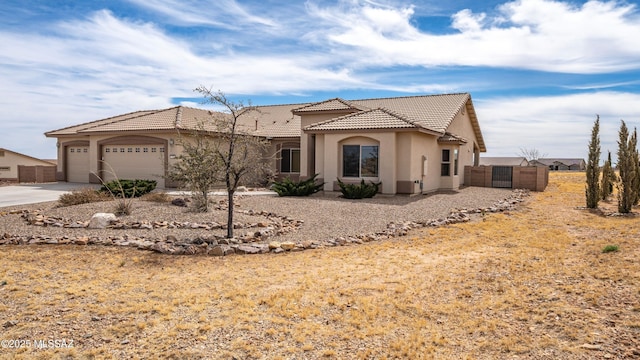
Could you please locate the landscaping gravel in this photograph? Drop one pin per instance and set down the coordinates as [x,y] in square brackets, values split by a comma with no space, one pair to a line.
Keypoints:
[324,216]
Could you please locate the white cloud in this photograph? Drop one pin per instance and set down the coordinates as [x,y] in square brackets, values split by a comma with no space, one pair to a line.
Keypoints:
[542,35]
[213,13]
[557,125]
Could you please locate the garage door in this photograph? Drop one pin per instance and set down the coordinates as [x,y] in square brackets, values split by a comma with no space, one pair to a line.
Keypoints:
[145,162]
[78,164]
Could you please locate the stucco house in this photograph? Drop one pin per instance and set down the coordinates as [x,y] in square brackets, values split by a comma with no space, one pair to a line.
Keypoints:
[561,164]
[33,169]
[415,144]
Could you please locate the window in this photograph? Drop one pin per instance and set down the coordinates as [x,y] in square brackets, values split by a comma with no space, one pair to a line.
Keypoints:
[107,150]
[5,168]
[137,149]
[153,149]
[290,162]
[122,150]
[1,153]
[129,149]
[84,150]
[145,149]
[72,150]
[161,149]
[360,160]
[445,167]
[455,162]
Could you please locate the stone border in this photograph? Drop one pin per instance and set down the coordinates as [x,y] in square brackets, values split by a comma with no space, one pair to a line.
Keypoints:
[250,243]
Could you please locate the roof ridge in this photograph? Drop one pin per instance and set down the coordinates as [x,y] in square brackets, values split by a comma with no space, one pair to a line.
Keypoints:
[347,103]
[411,96]
[178,123]
[360,113]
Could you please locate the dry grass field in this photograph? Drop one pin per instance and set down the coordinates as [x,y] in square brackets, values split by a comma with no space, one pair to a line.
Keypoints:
[530,284]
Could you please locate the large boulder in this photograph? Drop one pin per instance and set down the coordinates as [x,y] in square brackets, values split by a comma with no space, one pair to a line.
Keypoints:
[101,220]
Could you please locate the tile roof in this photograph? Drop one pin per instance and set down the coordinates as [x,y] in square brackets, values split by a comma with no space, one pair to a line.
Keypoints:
[335,104]
[451,138]
[432,113]
[370,119]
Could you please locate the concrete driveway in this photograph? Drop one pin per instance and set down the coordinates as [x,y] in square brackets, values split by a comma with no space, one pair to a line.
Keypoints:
[34,193]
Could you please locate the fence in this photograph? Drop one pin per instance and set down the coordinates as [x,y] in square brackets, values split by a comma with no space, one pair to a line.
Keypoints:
[534,178]
[36,174]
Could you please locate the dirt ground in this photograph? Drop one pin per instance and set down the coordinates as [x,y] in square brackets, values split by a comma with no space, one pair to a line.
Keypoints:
[527,284]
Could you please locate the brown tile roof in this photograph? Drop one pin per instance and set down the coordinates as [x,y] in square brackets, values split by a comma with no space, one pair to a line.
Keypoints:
[335,104]
[432,113]
[72,130]
[451,138]
[370,119]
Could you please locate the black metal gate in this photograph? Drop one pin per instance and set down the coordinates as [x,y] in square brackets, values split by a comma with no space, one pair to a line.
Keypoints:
[502,177]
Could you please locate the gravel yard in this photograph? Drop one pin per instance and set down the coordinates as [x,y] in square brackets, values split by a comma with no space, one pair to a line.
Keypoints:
[324,216]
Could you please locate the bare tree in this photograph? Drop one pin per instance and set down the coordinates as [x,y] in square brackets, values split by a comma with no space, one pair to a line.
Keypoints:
[240,153]
[198,168]
[531,154]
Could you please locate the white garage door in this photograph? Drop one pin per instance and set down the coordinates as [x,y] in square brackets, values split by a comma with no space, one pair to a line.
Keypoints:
[145,162]
[78,164]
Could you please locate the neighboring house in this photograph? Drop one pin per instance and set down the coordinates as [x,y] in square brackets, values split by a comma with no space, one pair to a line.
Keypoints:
[504,161]
[560,164]
[409,144]
[11,162]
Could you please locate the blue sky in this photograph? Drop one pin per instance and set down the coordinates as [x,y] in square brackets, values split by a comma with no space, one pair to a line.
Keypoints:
[538,70]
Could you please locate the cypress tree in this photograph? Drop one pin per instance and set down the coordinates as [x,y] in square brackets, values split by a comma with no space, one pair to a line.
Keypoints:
[635,166]
[609,178]
[592,191]
[626,193]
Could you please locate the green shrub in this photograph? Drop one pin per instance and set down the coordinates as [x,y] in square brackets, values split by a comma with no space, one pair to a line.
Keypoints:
[611,248]
[81,196]
[287,187]
[359,191]
[128,188]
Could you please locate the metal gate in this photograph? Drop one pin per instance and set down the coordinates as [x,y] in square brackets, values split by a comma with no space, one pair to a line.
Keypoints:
[502,177]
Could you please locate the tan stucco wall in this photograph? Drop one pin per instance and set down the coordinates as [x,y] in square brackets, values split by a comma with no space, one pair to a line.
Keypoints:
[331,144]
[461,126]
[12,160]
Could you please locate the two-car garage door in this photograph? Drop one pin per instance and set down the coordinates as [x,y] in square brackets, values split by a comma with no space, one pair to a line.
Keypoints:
[134,162]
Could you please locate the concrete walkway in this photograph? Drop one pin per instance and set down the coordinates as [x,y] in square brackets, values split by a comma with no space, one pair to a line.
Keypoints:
[23,194]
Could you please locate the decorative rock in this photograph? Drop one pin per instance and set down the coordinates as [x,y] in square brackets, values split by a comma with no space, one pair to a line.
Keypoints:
[247,249]
[10,323]
[287,245]
[179,202]
[274,245]
[101,220]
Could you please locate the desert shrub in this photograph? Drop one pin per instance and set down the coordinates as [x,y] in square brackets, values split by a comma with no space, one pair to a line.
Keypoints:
[359,191]
[159,197]
[81,196]
[610,248]
[123,207]
[287,187]
[129,188]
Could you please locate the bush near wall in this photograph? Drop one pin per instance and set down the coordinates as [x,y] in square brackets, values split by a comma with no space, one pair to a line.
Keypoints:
[288,187]
[129,188]
[359,191]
